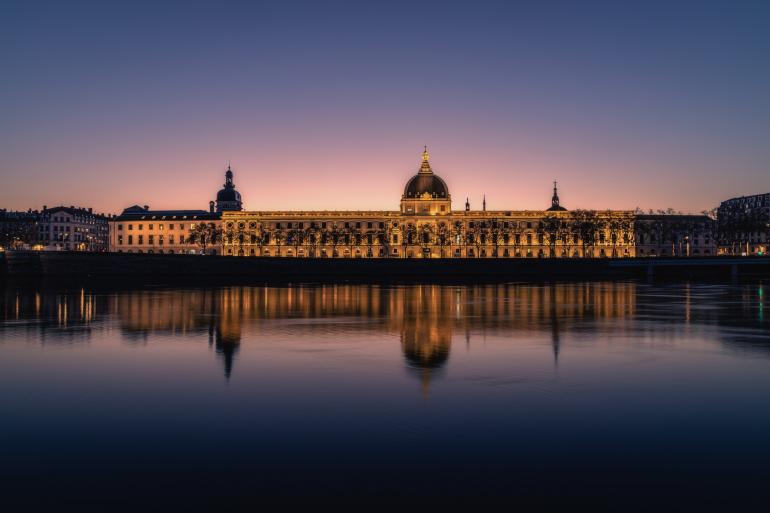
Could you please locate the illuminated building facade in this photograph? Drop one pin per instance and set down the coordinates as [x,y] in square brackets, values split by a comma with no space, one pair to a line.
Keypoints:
[56,229]
[141,230]
[425,226]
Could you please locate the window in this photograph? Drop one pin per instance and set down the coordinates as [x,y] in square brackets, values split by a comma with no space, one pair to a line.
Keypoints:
[443,208]
[151,239]
[171,239]
[141,226]
[369,225]
[150,227]
[160,226]
[120,227]
[130,239]
[171,226]
[181,226]
[141,239]
[181,239]
[120,240]
[160,239]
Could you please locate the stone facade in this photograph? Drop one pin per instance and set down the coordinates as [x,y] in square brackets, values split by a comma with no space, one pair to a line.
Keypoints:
[73,229]
[425,226]
[141,230]
[55,229]
[744,225]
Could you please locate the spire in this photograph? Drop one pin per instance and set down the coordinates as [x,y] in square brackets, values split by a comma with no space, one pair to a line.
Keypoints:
[425,167]
[555,198]
[228,176]
[467,204]
[484,204]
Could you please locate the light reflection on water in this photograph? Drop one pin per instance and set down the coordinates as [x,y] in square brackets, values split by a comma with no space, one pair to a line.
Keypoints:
[573,392]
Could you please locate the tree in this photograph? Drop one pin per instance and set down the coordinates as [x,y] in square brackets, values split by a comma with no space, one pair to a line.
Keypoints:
[352,238]
[474,236]
[554,227]
[458,234]
[408,234]
[204,234]
[443,237]
[333,236]
[279,237]
[312,238]
[495,234]
[586,225]
[426,238]
[383,236]
[617,226]
[295,237]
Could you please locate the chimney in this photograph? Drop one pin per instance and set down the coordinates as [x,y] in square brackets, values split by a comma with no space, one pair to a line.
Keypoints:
[90,210]
[45,207]
[147,207]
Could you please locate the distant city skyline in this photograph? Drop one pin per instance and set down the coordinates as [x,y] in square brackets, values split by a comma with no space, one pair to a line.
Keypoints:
[327,106]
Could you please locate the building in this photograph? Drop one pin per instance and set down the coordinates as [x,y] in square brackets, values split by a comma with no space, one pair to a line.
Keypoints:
[73,229]
[141,230]
[743,225]
[674,235]
[18,230]
[425,226]
[58,229]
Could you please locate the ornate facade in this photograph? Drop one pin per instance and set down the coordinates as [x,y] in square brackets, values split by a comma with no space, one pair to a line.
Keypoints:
[425,226]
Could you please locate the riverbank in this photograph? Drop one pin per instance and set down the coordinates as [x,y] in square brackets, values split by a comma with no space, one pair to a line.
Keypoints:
[195,269]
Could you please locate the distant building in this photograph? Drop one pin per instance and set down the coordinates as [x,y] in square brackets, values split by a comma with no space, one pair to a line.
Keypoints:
[18,230]
[73,229]
[744,225]
[59,228]
[674,235]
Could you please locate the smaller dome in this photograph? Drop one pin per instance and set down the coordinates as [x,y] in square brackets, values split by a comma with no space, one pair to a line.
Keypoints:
[228,194]
[227,197]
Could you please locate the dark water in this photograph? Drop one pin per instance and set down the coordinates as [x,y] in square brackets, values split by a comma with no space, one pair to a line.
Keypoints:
[608,396]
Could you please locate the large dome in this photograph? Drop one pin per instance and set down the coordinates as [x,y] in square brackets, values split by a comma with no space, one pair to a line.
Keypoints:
[422,183]
[426,182]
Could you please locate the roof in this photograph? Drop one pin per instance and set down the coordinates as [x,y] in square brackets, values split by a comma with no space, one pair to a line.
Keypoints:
[74,211]
[138,213]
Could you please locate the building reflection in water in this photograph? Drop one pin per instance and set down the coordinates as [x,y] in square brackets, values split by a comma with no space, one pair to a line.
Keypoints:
[425,318]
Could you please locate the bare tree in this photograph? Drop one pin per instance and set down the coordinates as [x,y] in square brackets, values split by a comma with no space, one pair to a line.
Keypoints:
[586,225]
[203,235]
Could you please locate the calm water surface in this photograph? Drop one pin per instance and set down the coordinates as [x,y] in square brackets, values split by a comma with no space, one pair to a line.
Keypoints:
[605,395]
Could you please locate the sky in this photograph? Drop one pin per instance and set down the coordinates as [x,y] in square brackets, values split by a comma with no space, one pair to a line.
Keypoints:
[327,105]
